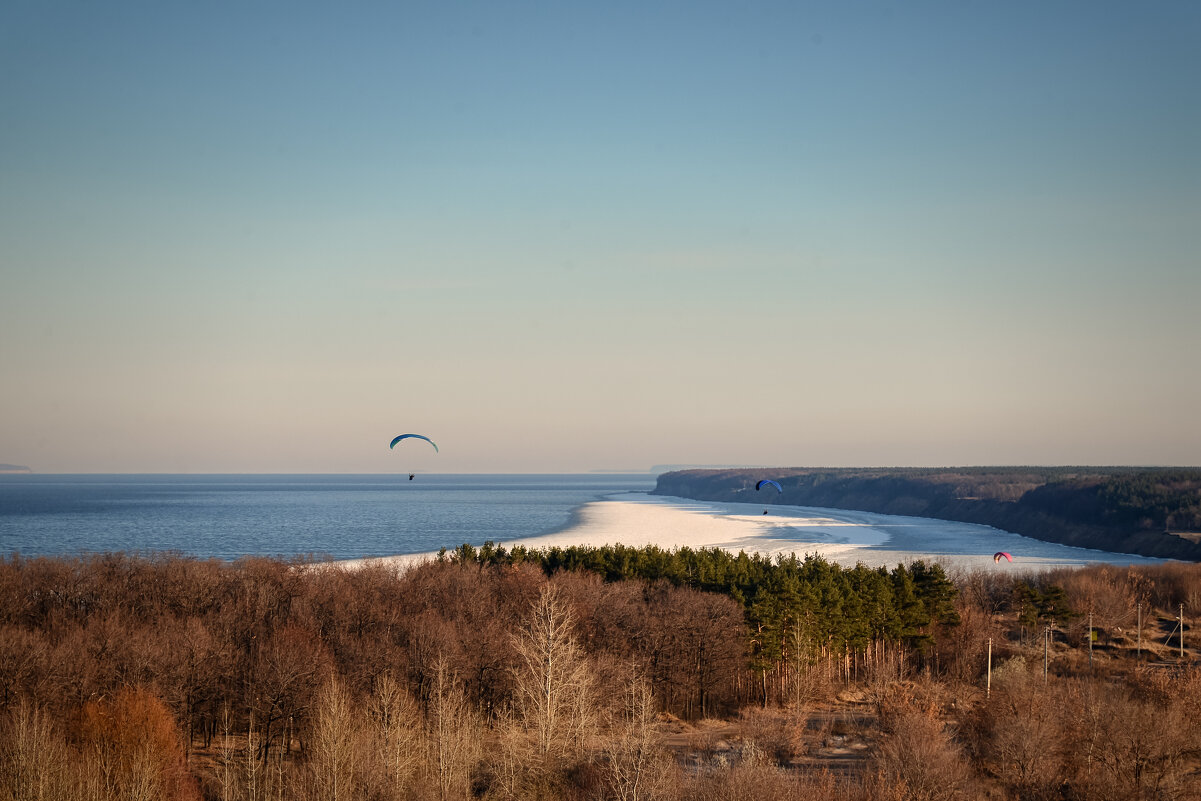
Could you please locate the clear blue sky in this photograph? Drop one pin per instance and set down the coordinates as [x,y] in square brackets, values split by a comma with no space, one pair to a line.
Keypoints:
[562,236]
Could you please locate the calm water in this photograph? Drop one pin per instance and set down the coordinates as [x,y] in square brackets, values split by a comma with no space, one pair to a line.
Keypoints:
[344,516]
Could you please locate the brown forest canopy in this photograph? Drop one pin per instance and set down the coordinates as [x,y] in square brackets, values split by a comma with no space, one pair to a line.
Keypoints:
[513,674]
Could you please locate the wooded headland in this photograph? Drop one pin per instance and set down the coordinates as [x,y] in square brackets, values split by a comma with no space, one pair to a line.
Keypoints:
[1121,509]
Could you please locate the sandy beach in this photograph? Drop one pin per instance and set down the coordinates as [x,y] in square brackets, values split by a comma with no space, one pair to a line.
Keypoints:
[837,535]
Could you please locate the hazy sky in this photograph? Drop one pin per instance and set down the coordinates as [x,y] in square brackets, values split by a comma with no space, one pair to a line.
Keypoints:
[251,236]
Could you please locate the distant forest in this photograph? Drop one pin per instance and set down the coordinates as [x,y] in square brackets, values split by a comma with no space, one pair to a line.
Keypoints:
[589,674]
[1121,509]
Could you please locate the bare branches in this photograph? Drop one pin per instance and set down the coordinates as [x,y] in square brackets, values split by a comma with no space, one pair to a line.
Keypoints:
[552,679]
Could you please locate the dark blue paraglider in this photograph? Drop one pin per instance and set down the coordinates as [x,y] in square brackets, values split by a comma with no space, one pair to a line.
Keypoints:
[759,486]
[418,436]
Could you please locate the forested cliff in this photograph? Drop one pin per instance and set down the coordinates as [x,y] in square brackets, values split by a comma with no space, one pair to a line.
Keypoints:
[1122,509]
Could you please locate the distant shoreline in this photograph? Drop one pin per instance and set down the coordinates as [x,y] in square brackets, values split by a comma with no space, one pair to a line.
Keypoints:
[1115,509]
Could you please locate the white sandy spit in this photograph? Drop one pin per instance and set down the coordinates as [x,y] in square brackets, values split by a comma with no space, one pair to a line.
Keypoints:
[837,535]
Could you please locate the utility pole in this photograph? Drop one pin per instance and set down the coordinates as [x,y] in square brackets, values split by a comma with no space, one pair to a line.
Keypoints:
[988,685]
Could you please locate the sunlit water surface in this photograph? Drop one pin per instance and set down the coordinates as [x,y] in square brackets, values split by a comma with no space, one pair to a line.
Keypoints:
[343,516]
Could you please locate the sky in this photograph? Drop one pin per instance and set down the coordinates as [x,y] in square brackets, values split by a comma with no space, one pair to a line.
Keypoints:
[562,237]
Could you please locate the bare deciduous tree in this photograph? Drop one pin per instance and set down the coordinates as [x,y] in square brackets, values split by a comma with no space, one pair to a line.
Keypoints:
[919,753]
[452,733]
[1025,723]
[635,766]
[33,756]
[132,750]
[508,759]
[1136,748]
[395,724]
[285,674]
[334,746]
[553,680]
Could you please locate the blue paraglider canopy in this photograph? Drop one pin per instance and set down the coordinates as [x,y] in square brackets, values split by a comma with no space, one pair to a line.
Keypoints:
[775,484]
[417,436]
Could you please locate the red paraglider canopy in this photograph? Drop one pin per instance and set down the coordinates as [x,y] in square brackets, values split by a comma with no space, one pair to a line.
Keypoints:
[996,557]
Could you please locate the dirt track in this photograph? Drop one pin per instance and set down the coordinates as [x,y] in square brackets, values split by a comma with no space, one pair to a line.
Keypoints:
[836,737]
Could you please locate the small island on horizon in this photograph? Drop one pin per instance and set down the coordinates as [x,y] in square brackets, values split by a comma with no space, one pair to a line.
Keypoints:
[14,468]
